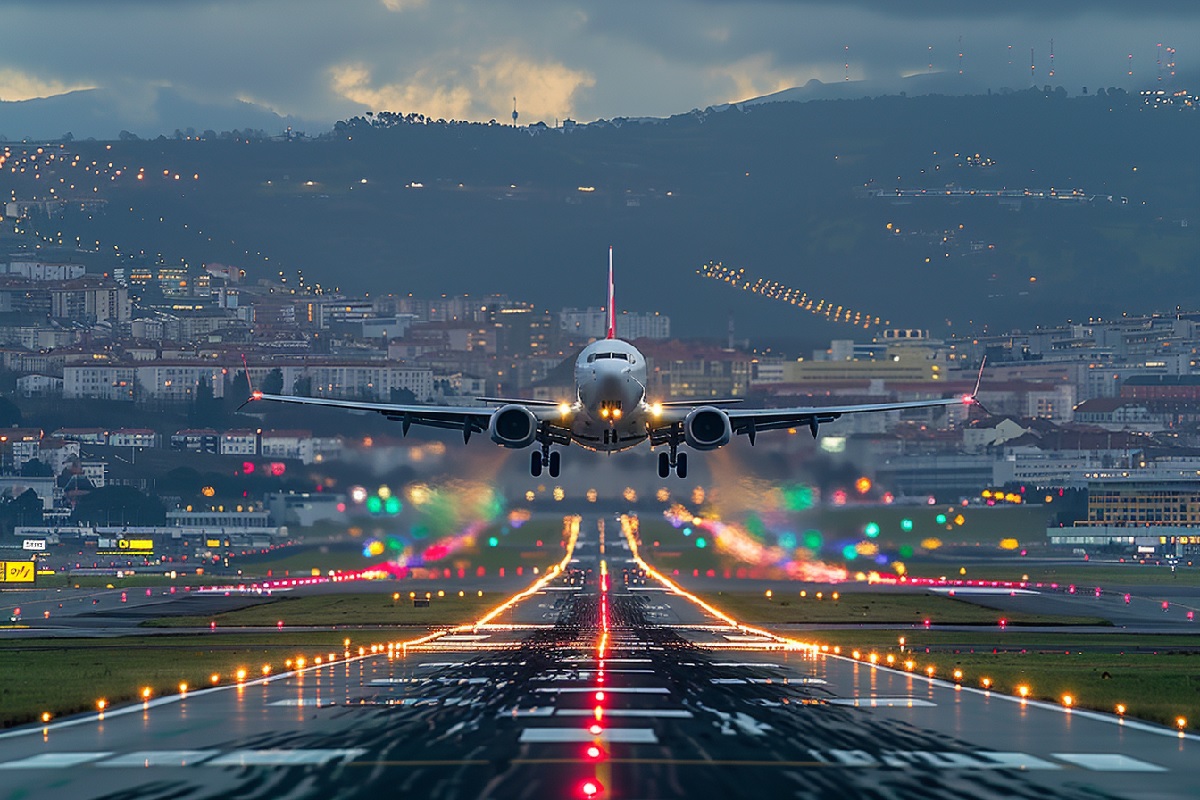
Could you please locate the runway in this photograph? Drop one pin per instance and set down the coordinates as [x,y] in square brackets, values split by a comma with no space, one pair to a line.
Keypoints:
[675,702]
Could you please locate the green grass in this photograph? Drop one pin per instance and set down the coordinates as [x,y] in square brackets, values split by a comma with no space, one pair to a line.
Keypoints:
[67,676]
[1156,677]
[1158,688]
[1085,575]
[345,609]
[874,608]
[1013,640]
[517,548]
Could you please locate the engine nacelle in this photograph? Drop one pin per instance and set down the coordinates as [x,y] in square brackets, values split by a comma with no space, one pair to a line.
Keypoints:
[707,428]
[513,426]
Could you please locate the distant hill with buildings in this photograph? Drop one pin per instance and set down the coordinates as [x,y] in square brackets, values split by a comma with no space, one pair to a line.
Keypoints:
[953,214]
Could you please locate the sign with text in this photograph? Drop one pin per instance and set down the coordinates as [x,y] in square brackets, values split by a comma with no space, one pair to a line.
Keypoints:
[16,571]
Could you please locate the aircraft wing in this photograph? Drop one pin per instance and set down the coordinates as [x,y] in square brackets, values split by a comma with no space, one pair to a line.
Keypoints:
[751,421]
[468,419]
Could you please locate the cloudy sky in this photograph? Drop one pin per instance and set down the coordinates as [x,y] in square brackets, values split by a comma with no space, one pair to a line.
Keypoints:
[466,59]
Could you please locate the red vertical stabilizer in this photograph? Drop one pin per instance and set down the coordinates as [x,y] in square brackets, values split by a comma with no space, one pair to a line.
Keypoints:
[612,308]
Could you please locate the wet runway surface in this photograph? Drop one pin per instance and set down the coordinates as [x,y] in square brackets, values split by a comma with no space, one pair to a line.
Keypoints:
[579,690]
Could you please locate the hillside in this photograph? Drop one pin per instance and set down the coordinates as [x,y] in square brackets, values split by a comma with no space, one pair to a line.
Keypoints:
[778,189]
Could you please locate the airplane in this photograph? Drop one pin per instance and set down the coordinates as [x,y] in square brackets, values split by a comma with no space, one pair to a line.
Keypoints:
[610,411]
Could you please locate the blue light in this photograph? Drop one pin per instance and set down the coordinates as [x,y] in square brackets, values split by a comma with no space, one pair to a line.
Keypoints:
[687,531]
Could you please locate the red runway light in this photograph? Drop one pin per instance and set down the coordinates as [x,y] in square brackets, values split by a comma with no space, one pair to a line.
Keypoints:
[594,752]
[595,729]
[591,788]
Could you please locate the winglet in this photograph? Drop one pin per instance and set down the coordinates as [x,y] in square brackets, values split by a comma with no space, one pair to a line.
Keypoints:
[973,398]
[254,395]
[612,308]
[979,378]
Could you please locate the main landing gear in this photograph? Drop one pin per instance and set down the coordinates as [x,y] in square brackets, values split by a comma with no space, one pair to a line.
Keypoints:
[675,461]
[552,461]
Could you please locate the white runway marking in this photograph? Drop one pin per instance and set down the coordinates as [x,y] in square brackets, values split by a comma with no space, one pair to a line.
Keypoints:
[1108,762]
[536,711]
[465,637]
[612,735]
[264,758]
[981,590]
[741,637]
[589,690]
[303,701]
[664,713]
[54,760]
[881,702]
[159,758]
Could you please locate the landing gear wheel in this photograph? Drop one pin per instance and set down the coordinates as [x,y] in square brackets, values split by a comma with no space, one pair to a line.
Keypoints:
[681,465]
[664,466]
[555,463]
[535,463]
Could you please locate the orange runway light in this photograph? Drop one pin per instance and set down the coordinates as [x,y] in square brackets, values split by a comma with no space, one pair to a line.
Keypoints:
[183,687]
[146,693]
[101,704]
[45,716]
[1023,691]
[215,678]
[1068,700]
[1120,709]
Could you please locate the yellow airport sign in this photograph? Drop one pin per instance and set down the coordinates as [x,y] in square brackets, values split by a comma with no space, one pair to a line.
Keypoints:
[135,544]
[17,571]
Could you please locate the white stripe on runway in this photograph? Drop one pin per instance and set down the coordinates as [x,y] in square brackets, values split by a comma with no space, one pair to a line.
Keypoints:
[54,760]
[271,758]
[611,735]
[159,758]
[881,702]
[590,690]
[664,713]
[1108,762]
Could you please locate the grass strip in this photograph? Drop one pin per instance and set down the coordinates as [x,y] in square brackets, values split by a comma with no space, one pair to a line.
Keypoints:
[64,676]
[380,608]
[874,607]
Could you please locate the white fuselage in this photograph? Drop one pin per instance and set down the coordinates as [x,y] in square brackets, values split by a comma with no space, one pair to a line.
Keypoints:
[610,381]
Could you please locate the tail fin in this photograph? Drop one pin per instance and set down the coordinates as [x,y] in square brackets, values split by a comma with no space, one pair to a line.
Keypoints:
[612,308]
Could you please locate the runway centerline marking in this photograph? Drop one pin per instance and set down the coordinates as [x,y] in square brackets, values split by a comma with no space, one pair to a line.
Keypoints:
[279,758]
[159,758]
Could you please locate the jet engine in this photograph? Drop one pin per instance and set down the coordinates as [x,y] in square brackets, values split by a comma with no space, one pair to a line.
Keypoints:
[707,428]
[513,426]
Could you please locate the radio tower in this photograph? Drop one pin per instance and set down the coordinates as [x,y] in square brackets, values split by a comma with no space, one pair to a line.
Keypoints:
[1032,67]
[847,51]
[1160,62]
[514,112]
[1051,58]
[960,55]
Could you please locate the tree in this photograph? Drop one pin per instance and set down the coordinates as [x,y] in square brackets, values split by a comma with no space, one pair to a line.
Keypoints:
[36,468]
[402,396]
[119,505]
[25,509]
[10,415]
[273,383]
[302,386]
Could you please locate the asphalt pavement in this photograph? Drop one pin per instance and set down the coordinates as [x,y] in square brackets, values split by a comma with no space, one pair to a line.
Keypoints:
[578,690]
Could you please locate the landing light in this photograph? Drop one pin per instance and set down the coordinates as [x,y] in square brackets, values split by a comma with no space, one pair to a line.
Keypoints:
[656,409]
[564,409]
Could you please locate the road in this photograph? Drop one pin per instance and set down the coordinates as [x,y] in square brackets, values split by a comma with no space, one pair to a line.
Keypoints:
[677,703]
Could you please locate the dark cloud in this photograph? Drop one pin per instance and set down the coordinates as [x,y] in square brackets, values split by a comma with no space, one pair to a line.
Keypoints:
[321,60]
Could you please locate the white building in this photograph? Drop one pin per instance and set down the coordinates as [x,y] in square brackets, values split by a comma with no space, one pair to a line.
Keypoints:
[133,437]
[39,386]
[239,443]
[288,444]
[592,323]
